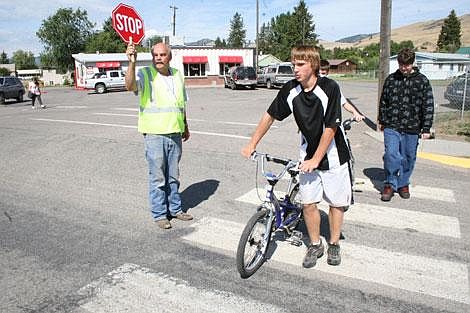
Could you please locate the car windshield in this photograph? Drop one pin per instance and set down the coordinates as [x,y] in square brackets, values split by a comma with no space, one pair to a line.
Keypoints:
[285,69]
[247,71]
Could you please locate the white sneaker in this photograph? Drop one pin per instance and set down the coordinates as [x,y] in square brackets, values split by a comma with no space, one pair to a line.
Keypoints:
[43,106]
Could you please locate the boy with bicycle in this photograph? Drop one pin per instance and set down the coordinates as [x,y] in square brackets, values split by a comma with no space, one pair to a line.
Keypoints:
[316,104]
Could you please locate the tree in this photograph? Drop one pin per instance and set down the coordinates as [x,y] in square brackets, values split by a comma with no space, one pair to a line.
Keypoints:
[4,58]
[305,31]
[287,30]
[237,35]
[24,60]
[218,43]
[4,71]
[449,38]
[63,34]
[105,41]
[149,42]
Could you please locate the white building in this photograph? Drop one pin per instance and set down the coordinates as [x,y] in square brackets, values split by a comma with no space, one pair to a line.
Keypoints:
[200,65]
[436,65]
[49,77]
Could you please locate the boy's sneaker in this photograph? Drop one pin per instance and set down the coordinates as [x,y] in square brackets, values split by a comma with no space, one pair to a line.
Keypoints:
[334,256]
[43,106]
[313,253]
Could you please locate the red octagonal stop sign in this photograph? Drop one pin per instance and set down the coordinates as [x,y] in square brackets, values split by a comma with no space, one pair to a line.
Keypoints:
[128,24]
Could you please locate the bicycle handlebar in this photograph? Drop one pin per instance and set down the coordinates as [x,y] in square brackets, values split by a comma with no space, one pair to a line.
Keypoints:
[288,164]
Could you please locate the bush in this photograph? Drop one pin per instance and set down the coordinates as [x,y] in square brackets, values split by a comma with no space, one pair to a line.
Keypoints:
[4,71]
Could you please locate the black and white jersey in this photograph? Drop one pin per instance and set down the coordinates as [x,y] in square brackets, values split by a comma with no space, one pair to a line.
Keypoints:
[314,111]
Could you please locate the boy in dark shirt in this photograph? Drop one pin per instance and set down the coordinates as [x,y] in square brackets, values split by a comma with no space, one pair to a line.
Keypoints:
[316,104]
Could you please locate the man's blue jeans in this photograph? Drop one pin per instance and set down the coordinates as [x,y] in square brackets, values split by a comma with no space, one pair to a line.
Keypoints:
[163,153]
[399,157]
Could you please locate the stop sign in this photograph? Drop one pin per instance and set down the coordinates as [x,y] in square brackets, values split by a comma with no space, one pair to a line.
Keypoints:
[128,24]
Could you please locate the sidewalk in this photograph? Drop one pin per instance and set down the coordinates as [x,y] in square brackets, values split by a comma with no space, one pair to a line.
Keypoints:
[454,153]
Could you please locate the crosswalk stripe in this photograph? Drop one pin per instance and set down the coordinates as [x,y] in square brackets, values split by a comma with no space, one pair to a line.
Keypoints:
[417,191]
[438,278]
[429,223]
[131,288]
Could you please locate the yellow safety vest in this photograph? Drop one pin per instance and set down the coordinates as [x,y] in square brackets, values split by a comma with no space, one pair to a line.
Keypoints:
[162,102]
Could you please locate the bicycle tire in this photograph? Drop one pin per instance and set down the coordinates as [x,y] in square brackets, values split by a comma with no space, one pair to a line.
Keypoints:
[245,267]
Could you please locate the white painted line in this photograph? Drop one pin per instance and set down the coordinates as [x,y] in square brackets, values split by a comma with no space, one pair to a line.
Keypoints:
[116,114]
[417,191]
[429,223]
[69,106]
[127,109]
[82,122]
[135,127]
[438,278]
[131,288]
[219,134]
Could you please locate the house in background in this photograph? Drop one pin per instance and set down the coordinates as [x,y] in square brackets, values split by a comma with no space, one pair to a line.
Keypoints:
[342,66]
[267,59]
[437,65]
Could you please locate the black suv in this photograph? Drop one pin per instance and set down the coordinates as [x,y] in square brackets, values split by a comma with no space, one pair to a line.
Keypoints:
[240,76]
[454,92]
[11,87]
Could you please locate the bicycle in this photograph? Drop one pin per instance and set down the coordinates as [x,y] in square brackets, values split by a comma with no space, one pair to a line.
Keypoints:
[276,215]
[272,215]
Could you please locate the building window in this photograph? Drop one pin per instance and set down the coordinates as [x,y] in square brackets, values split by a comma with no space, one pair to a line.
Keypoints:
[194,69]
[440,66]
[224,67]
[452,67]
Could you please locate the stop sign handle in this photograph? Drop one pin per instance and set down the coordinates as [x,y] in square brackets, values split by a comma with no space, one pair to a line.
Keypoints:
[132,55]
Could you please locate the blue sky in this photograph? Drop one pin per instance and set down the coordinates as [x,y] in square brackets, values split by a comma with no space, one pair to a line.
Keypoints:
[197,19]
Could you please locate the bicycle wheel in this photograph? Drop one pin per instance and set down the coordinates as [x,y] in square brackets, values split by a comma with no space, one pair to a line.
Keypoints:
[253,244]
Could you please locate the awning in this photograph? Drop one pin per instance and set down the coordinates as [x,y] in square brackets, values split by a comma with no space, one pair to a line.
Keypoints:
[230,59]
[108,64]
[194,59]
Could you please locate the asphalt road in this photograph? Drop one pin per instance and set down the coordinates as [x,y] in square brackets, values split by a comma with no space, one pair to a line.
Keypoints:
[76,234]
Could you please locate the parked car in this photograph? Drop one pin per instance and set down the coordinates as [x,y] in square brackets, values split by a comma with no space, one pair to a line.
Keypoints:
[11,87]
[238,76]
[276,75]
[455,90]
[103,81]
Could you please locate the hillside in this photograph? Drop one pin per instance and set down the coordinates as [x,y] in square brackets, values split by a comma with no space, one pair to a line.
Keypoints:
[423,34]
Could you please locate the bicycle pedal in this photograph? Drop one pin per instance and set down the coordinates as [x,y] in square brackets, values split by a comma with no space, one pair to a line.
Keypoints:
[294,241]
[298,234]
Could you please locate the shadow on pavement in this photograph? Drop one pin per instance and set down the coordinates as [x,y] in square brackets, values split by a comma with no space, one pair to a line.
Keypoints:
[376,176]
[197,193]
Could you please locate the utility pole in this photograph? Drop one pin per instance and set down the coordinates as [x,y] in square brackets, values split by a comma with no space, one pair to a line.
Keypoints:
[385,36]
[174,18]
[257,35]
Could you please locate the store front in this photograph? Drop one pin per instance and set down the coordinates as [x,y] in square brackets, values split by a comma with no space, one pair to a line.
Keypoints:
[200,65]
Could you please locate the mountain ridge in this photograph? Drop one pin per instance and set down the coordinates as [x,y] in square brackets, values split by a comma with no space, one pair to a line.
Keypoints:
[424,35]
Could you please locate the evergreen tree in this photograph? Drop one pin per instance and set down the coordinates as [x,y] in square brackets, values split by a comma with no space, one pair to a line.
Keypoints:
[449,38]
[236,38]
[4,58]
[218,43]
[305,28]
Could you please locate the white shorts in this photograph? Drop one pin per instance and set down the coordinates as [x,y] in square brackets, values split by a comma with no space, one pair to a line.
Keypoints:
[333,186]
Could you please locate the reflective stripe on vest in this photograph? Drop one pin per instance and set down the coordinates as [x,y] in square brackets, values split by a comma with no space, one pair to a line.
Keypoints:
[162,105]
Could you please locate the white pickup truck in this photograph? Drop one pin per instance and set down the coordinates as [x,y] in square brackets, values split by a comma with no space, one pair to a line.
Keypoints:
[103,81]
